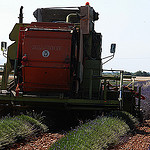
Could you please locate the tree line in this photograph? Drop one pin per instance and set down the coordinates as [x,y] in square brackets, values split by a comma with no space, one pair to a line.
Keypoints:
[138,73]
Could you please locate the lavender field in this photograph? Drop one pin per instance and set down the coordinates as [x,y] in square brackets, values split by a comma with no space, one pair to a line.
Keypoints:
[145,104]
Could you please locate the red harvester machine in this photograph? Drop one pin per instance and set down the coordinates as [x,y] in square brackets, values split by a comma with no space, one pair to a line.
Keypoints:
[57,61]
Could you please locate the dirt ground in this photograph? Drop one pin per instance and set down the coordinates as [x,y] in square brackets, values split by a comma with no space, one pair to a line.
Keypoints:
[142,78]
[42,142]
[140,141]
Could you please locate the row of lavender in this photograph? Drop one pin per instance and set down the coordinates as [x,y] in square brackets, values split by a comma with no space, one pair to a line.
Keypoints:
[145,104]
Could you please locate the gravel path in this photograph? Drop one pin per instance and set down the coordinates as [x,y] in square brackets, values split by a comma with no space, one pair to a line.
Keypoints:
[42,142]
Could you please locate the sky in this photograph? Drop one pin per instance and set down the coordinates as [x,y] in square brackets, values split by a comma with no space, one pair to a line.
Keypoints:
[124,22]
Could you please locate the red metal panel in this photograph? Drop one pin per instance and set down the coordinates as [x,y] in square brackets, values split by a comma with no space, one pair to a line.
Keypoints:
[45,79]
[48,60]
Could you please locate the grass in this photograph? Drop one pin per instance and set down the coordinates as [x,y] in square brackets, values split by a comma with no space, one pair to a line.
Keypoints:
[97,134]
[17,128]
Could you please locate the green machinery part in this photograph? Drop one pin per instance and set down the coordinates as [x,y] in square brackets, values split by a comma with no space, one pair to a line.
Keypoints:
[11,54]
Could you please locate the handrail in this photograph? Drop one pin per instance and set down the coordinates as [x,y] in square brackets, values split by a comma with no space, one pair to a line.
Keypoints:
[122,78]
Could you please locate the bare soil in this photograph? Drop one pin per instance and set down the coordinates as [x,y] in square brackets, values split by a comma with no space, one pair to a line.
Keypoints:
[42,142]
[140,141]
[138,78]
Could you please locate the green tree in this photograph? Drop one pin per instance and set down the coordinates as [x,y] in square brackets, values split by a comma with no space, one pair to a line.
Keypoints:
[141,73]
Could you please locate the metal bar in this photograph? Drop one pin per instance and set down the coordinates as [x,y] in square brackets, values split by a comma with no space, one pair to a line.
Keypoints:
[105,90]
[6,76]
[53,30]
[81,57]
[6,98]
[21,15]
[91,84]
[94,108]
[116,84]
[133,81]
[63,7]
[106,77]
[139,100]
[111,77]
[129,84]
[111,70]
[108,56]
[108,60]
[121,90]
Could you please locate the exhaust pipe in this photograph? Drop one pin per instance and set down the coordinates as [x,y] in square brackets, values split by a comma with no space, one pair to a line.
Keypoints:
[21,15]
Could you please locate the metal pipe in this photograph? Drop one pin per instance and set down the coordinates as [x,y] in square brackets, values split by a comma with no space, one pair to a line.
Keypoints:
[139,100]
[90,84]
[133,82]
[111,70]
[21,15]
[121,90]
[112,56]
[105,90]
